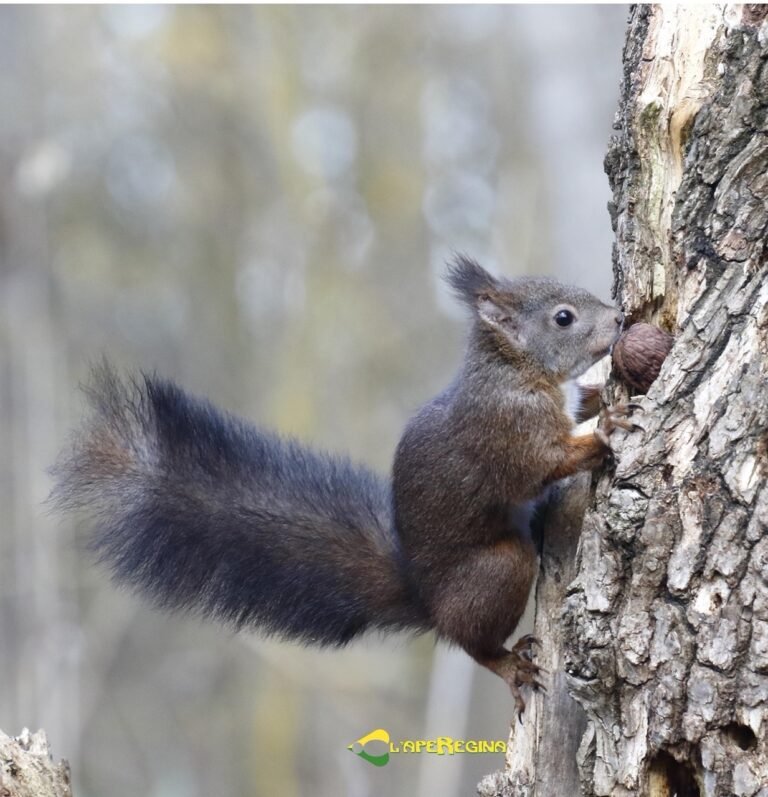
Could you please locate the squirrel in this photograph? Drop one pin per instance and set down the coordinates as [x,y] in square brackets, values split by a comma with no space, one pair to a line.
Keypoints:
[203,512]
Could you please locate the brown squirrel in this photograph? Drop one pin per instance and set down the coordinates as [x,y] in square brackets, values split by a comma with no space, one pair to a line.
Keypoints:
[203,512]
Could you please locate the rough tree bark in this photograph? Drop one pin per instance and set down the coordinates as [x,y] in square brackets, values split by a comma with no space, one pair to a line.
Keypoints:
[27,769]
[662,636]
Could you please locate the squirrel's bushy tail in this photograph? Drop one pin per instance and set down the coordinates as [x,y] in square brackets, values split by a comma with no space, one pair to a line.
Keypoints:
[201,511]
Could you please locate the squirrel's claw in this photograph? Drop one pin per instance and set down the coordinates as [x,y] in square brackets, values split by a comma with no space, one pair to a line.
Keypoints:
[621,423]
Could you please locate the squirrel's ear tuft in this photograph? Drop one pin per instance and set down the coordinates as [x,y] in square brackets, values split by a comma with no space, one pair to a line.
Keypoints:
[469,279]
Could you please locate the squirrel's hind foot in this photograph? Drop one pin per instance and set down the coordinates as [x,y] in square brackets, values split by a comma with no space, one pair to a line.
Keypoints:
[517,669]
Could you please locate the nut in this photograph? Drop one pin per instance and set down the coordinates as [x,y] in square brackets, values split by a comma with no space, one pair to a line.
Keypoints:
[639,353]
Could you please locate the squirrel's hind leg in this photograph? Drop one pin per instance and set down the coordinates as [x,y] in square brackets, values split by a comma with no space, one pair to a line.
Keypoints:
[479,604]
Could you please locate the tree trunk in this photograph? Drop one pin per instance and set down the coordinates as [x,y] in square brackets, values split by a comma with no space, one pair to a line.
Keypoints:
[27,770]
[665,626]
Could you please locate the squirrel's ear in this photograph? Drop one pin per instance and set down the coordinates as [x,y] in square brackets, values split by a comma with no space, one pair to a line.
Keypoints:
[490,312]
[470,281]
[495,315]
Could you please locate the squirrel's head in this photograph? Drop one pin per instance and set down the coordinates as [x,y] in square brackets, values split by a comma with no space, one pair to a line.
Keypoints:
[560,328]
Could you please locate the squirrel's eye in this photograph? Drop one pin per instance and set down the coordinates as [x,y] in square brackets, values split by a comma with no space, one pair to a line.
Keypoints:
[564,318]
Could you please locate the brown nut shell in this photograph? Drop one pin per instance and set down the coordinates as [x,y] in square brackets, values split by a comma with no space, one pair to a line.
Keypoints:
[639,353]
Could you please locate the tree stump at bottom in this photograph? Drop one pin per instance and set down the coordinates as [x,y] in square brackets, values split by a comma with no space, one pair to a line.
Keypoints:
[28,770]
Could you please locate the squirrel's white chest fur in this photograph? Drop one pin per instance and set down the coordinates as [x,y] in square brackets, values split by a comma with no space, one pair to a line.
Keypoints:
[571,397]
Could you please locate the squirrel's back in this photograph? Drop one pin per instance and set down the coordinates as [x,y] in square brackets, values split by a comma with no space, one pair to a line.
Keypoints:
[201,511]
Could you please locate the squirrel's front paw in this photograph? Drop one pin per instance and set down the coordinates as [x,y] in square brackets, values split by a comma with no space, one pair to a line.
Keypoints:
[615,417]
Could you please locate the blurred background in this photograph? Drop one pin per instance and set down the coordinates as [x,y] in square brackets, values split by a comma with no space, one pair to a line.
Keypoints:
[258,202]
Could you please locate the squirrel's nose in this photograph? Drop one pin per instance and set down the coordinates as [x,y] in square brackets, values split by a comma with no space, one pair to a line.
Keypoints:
[619,317]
